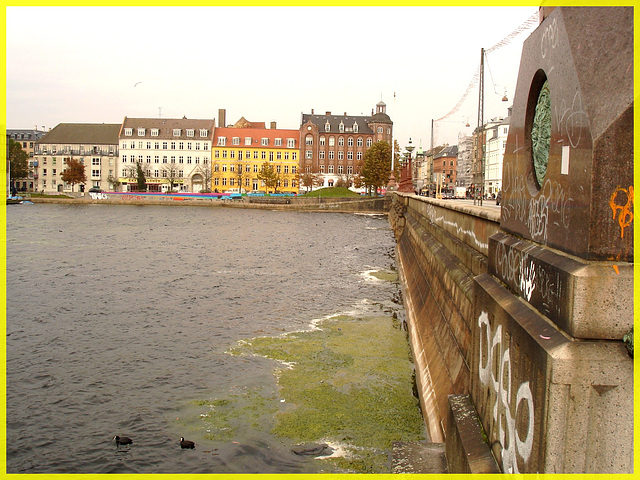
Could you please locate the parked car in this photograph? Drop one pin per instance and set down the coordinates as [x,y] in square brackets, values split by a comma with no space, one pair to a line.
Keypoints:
[95,190]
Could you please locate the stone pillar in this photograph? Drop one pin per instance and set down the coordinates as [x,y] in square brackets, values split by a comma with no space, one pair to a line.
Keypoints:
[552,381]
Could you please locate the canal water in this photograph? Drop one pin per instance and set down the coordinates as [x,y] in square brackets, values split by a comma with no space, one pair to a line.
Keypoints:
[120,321]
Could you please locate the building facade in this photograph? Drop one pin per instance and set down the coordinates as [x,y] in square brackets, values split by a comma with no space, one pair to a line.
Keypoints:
[496,133]
[174,154]
[445,167]
[333,146]
[464,177]
[241,151]
[94,144]
[27,140]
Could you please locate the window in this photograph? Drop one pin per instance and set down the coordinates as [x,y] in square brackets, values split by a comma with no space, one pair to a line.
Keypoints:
[232,154]
[148,145]
[197,145]
[156,145]
[95,173]
[222,141]
[141,132]
[321,154]
[341,142]
[331,154]
[181,145]
[164,145]
[263,155]
[286,155]
[180,159]
[330,168]
[308,154]
[278,155]
[355,127]
[308,140]
[341,127]
[322,141]
[321,168]
[294,155]
[224,154]
[173,159]
[95,161]
[332,141]
[349,155]
[203,132]
[277,142]
[349,169]
[148,158]
[236,141]
[341,155]
[350,142]
[177,132]
[216,154]
[271,156]
[369,142]
[128,132]
[173,145]
[156,159]
[154,132]
[132,145]
[340,169]
[255,168]
[164,159]
[327,127]
[188,145]
[291,143]
[190,132]
[380,130]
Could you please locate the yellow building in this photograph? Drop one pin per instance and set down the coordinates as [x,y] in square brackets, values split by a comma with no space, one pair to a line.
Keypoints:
[240,153]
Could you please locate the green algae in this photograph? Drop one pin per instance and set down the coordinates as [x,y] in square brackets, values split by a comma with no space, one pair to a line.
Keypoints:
[350,383]
[385,275]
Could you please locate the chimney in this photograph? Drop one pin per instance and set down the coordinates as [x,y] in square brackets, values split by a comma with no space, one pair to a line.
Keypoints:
[222,117]
[328,113]
[345,114]
[312,111]
[273,125]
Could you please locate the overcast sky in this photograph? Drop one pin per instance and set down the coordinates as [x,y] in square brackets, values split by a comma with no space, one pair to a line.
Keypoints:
[100,64]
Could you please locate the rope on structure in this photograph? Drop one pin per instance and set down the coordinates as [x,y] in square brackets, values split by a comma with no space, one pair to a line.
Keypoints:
[530,22]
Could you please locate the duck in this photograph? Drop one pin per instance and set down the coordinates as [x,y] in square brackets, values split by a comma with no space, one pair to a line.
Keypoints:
[186,443]
[122,440]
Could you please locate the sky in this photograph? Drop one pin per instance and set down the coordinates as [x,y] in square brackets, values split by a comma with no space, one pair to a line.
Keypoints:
[100,64]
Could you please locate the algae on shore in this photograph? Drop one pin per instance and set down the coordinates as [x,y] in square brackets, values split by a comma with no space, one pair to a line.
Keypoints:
[348,382]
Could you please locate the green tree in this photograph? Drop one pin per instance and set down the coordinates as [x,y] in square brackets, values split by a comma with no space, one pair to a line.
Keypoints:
[18,158]
[269,176]
[377,165]
[142,181]
[74,172]
[309,180]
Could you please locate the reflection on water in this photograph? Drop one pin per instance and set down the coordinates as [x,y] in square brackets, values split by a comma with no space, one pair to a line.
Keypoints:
[118,319]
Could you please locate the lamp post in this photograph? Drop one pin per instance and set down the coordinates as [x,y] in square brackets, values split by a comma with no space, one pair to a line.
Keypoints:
[406,180]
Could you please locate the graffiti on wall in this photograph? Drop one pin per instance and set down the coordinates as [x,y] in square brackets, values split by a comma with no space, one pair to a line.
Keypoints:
[98,196]
[621,202]
[509,403]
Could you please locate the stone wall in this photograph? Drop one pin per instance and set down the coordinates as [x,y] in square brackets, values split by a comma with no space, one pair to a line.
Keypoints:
[524,332]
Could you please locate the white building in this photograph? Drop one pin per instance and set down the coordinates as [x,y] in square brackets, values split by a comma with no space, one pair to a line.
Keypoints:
[94,144]
[464,176]
[175,154]
[496,132]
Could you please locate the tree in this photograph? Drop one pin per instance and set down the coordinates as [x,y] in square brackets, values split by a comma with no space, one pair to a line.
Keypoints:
[114,182]
[205,171]
[310,180]
[269,176]
[74,173]
[18,159]
[171,171]
[377,165]
[142,181]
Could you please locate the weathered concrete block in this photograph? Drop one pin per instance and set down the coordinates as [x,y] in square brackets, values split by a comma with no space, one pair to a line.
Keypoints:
[568,164]
[585,299]
[548,403]
[466,446]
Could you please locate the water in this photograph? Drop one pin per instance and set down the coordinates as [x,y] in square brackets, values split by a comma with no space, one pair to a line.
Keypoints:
[118,318]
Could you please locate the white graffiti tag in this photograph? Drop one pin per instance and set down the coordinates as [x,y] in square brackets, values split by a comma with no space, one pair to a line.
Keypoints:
[506,409]
[98,196]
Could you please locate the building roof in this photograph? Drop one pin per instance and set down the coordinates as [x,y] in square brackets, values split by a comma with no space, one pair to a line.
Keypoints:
[24,134]
[448,151]
[335,120]
[84,133]
[256,134]
[244,123]
[166,127]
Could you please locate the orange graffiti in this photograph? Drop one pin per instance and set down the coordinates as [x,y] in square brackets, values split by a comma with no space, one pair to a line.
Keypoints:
[624,211]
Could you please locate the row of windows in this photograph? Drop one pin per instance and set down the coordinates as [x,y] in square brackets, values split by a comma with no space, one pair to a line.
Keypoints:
[166,145]
[251,182]
[262,155]
[94,161]
[165,159]
[277,142]
[340,169]
[322,155]
[341,127]
[332,141]
[128,132]
[76,150]
[248,168]
[164,173]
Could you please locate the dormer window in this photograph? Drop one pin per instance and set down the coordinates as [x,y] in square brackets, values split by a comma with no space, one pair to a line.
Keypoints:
[203,132]
[247,140]
[236,141]
[265,142]
[177,132]
[128,132]
[154,132]
[141,132]
[355,127]
[327,127]
[291,143]
[190,132]
[278,142]
[341,127]
[222,141]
